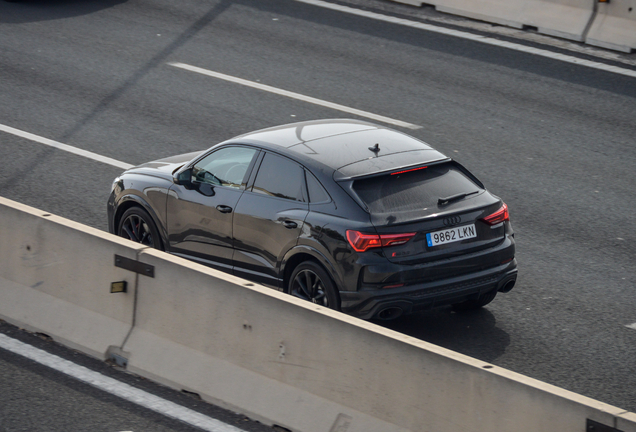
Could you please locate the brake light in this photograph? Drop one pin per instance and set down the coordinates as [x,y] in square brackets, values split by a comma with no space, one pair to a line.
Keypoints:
[408,170]
[360,242]
[500,215]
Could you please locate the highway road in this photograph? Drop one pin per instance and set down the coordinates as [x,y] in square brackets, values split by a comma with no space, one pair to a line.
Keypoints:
[554,139]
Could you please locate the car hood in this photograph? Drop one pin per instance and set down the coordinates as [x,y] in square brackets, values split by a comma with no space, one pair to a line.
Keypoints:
[164,167]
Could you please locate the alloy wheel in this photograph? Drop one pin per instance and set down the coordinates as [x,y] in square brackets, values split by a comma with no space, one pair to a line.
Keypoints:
[307,285]
[135,228]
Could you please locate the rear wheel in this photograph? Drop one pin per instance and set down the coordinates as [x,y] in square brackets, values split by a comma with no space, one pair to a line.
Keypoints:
[137,225]
[477,303]
[309,281]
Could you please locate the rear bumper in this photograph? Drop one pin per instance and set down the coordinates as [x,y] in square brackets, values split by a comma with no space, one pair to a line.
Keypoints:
[367,304]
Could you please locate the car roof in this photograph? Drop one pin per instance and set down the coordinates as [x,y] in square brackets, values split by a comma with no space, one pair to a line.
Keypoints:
[344,145]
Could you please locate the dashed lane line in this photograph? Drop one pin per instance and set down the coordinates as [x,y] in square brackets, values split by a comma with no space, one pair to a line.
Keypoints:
[65,147]
[472,37]
[117,388]
[631,326]
[296,96]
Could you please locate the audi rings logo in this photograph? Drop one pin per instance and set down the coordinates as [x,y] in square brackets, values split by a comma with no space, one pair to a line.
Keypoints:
[453,220]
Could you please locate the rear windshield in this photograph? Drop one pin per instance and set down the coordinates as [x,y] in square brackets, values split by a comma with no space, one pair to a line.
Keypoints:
[414,190]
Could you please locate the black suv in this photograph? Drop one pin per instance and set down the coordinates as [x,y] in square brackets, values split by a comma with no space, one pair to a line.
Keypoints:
[346,214]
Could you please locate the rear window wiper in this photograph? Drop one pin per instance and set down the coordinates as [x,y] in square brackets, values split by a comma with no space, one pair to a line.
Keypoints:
[455,197]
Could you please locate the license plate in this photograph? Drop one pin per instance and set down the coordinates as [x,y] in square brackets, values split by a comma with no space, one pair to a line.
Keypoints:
[451,235]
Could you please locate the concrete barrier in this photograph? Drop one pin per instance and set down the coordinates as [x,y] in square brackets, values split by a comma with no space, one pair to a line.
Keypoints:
[562,18]
[260,352]
[56,278]
[614,26]
[239,345]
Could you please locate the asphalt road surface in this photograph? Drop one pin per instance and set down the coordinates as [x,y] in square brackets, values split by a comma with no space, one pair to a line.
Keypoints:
[555,140]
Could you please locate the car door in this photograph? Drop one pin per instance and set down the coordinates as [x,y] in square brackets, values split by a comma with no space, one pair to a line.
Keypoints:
[269,218]
[200,213]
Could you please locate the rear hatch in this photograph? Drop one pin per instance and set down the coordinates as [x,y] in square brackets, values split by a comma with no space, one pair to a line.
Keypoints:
[443,205]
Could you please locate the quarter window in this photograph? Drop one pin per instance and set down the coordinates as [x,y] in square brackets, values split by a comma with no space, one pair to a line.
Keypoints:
[317,193]
[279,177]
[224,167]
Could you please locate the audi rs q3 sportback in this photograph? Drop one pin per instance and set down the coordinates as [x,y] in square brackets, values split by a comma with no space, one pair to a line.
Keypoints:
[343,213]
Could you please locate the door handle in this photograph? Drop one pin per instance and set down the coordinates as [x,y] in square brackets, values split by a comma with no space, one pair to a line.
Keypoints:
[224,209]
[290,224]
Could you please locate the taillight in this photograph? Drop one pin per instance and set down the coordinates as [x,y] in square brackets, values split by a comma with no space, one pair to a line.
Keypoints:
[500,215]
[360,242]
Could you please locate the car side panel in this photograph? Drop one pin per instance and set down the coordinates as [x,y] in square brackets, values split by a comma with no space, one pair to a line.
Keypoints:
[325,230]
[261,237]
[197,229]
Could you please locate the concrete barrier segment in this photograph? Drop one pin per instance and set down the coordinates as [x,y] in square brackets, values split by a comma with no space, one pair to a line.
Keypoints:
[55,277]
[493,11]
[413,2]
[567,19]
[614,26]
[238,389]
[563,18]
[251,342]
[64,321]
[626,422]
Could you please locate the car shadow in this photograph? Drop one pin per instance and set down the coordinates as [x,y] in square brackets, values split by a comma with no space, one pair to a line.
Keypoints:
[473,333]
[25,11]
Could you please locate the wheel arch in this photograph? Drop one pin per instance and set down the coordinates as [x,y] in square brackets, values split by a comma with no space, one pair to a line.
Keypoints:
[131,200]
[303,253]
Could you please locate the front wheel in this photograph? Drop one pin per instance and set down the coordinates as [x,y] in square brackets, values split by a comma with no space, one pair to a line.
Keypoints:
[137,225]
[309,281]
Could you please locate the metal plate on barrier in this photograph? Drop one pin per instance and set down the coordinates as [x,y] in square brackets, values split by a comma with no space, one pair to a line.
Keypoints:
[593,426]
[135,266]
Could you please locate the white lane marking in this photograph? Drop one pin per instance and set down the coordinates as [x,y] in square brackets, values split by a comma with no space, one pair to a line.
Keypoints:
[116,388]
[297,96]
[473,37]
[65,147]
[631,326]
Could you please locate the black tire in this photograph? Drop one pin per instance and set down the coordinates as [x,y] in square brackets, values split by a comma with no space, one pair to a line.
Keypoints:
[137,225]
[309,281]
[477,303]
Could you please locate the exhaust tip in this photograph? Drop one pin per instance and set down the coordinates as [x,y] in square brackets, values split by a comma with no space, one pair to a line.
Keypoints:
[389,313]
[508,286]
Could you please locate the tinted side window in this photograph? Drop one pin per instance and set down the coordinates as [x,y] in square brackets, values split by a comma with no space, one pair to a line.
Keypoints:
[224,167]
[317,193]
[279,177]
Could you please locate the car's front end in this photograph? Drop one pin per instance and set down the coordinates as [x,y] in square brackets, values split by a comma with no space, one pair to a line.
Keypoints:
[145,186]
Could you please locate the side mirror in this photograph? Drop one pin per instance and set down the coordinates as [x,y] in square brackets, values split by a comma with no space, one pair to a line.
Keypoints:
[183,178]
